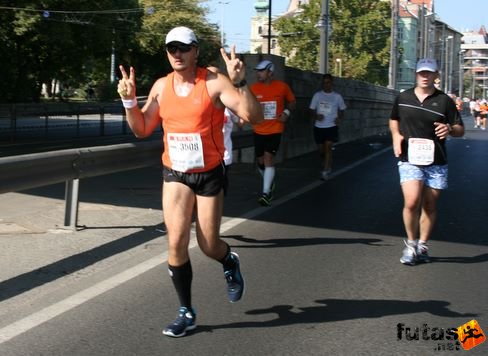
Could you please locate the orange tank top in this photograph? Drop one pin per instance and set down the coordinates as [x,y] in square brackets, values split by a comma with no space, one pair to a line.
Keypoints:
[192,127]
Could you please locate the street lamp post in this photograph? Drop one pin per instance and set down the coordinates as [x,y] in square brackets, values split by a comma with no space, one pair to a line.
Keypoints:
[447,74]
[222,3]
[461,73]
[451,60]
[472,84]
[269,27]
[112,60]
[323,25]
[392,69]
[338,68]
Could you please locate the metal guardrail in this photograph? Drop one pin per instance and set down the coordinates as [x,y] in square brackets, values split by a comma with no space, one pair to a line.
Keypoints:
[43,120]
[40,169]
[69,166]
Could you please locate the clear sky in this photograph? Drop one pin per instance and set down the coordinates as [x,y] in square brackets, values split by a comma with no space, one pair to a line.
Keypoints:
[237,18]
[463,14]
[459,14]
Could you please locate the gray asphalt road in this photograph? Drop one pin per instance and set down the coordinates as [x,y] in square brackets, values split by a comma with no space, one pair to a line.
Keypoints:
[322,271]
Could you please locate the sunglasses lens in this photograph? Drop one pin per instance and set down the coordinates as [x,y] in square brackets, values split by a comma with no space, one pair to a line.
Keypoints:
[183,48]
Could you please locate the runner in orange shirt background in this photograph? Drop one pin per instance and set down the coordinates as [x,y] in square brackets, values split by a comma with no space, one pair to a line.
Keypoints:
[277,101]
[483,114]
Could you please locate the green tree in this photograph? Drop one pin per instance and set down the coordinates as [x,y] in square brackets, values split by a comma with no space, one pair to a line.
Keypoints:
[71,42]
[167,14]
[56,41]
[359,37]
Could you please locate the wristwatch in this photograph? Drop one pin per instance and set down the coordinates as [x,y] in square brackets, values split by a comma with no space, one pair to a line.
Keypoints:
[240,84]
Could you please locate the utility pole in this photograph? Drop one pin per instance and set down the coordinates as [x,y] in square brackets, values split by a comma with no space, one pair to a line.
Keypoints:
[222,11]
[461,74]
[269,27]
[447,74]
[422,31]
[392,75]
[112,59]
[323,25]
[451,72]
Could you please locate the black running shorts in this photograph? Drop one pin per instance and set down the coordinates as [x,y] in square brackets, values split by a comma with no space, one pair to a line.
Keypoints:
[207,184]
[266,143]
[321,135]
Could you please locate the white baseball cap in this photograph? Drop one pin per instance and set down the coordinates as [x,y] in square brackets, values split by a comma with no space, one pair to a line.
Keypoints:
[426,64]
[265,65]
[181,34]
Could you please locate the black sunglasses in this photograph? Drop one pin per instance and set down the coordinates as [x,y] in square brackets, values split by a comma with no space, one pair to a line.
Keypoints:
[183,48]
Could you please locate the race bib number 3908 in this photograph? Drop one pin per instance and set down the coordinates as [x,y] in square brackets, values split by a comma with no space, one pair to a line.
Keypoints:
[420,151]
[185,151]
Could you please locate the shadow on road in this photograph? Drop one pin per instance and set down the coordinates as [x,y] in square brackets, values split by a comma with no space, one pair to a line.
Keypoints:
[462,259]
[333,310]
[305,241]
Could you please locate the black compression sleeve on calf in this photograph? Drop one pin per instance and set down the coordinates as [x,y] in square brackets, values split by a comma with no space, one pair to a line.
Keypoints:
[182,277]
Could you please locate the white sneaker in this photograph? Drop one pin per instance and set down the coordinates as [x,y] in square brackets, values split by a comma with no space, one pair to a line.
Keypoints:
[423,253]
[325,174]
[409,256]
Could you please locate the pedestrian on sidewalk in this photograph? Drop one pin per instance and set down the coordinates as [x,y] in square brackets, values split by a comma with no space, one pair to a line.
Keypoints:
[421,119]
[189,104]
[278,102]
[327,109]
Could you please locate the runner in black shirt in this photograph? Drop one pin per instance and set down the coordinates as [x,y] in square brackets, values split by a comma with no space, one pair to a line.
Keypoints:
[421,120]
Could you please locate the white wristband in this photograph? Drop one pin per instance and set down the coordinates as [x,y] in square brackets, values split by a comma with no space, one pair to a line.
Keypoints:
[287,112]
[129,103]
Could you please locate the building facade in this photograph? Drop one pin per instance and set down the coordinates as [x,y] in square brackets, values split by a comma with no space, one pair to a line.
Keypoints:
[422,34]
[474,55]
[462,58]
[262,40]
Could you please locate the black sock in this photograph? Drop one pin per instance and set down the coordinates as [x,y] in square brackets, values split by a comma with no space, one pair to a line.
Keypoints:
[182,277]
[228,262]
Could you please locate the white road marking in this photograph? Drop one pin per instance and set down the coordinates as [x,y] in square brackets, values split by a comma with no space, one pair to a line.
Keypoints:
[25,324]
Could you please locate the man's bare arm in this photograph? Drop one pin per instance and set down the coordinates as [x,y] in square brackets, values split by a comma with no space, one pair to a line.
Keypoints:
[240,100]
[143,121]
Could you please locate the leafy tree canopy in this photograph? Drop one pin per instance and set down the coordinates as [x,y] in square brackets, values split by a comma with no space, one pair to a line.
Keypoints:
[72,42]
[359,35]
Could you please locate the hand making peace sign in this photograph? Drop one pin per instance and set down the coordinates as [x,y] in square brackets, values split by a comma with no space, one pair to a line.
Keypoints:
[127,85]
[235,67]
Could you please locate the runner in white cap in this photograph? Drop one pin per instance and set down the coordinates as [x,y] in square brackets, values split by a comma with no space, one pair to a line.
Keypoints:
[421,119]
[189,105]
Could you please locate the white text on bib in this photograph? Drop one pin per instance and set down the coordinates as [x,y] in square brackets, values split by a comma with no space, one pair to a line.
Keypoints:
[269,109]
[324,108]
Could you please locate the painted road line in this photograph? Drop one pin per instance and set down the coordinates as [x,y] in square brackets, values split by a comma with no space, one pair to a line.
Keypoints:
[25,324]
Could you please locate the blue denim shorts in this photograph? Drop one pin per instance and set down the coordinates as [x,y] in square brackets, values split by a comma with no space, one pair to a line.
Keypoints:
[434,176]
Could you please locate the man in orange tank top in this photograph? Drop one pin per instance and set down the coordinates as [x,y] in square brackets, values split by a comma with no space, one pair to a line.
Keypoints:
[189,104]
[277,100]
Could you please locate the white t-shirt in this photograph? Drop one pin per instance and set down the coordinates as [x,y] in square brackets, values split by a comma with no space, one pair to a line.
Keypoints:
[229,119]
[327,104]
